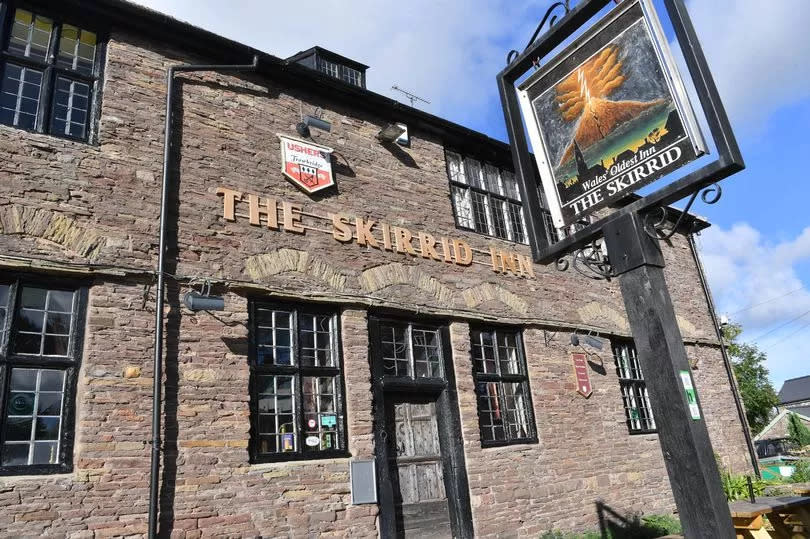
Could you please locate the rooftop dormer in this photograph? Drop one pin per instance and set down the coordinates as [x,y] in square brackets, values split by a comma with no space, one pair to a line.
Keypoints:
[332,64]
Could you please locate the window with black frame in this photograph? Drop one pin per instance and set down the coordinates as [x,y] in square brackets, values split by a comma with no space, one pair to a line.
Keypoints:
[410,350]
[50,73]
[502,387]
[486,199]
[296,383]
[636,399]
[40,349]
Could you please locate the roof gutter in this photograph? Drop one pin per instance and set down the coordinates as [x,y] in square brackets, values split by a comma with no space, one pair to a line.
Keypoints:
[154,473]
[726,361]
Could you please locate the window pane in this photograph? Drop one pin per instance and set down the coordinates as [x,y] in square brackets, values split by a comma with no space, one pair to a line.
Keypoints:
[274,338]
[4,289]
[463,207]
[276,403]
[475,176]
[33,413]
[77,49]
[34,298]
[508,353]
[395,350]
[515,213]
[516,411]
[483,352]
[490,415]
[493,180]
[427,354]
[20,98]
[498,220]
[71,102]
[510,185]
[455,168]
[480,206]
[30,35]
[319,420]
[315,334]
[15,454]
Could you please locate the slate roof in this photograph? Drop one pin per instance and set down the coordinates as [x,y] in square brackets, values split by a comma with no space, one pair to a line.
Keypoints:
[795,389]
[803,410]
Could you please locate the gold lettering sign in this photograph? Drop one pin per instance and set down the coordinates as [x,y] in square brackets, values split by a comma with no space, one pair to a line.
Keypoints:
[367,232]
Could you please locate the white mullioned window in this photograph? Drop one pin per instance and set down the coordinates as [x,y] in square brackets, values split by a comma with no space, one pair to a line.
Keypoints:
[635,397]
[486,199]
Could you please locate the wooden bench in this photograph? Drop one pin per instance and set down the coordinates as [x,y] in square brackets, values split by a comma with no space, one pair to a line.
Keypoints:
[749,522]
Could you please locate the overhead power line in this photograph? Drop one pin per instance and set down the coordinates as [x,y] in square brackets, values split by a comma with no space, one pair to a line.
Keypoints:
[780,326]
[766,301]
[783,339]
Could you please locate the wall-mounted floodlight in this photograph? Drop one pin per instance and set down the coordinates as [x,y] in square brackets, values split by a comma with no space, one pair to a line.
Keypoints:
[311,121]
[592,342]
[391,132]
[197,302]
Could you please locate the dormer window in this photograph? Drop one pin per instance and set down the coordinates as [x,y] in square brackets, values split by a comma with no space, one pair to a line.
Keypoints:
[332,64]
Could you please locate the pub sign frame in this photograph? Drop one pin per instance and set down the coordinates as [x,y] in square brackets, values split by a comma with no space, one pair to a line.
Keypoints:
[729,159]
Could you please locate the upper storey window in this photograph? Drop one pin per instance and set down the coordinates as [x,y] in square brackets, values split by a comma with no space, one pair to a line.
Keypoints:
[342,72]
[50,72]
[486,199]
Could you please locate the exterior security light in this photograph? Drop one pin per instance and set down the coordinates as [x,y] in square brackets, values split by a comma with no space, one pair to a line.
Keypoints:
[197,302]
[391,132]
[311,121]
[592,342]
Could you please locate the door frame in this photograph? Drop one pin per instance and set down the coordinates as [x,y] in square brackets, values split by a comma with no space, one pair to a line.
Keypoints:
[448,419]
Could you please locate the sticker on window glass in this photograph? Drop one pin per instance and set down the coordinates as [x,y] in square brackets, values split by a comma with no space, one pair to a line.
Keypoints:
[328,420]
[327,441]
[312,423]
[312,441]
[288,442]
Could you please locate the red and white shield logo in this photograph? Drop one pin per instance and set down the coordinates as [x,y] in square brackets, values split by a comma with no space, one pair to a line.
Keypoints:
[307,165]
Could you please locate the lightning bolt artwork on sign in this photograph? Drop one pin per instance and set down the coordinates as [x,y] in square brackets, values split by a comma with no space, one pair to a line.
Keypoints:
[610,114]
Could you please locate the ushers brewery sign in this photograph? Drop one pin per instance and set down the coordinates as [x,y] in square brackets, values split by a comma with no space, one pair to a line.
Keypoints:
[277,214]
[307,165]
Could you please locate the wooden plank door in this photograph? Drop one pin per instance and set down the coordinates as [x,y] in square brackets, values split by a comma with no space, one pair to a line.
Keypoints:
[415,461]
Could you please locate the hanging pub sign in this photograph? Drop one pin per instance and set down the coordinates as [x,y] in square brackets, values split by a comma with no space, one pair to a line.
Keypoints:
[609,114]
[581,374]
[307,165]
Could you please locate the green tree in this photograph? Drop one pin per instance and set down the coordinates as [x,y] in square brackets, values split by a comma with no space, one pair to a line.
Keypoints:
[758,395]
[798,431]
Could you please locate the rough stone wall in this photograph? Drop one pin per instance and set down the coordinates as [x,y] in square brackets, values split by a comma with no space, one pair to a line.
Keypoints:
[74,202]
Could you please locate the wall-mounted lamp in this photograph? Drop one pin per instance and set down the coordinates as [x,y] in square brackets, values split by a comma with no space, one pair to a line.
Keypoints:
[197,302]
[203,301]
[391,132]
[315,120]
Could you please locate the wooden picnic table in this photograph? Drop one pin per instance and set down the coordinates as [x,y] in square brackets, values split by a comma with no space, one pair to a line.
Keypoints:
[783,512]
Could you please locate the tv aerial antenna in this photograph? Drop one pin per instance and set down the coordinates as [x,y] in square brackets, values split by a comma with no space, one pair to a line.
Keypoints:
[413,97]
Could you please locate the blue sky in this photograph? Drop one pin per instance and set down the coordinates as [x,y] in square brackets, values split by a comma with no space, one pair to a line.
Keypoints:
[757,254]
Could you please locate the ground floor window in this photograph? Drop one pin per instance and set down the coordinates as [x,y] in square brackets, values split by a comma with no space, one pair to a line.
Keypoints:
[296,383]
[502,387]
[41,329]
[635,397]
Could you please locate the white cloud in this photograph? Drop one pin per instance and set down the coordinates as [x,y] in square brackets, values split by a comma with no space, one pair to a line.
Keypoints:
[756,282]
[447,52]
[758,54]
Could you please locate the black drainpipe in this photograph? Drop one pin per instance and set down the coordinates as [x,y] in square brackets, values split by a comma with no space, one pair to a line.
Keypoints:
[726,361]
[158,365]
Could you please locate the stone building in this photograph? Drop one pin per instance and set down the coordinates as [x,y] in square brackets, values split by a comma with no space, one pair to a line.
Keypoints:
[394,317]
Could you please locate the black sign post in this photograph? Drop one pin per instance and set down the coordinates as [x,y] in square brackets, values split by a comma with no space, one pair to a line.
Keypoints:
[637,259]
[632,235]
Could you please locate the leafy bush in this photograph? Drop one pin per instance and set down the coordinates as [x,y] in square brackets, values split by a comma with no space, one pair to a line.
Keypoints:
[798,431]
[801,473]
